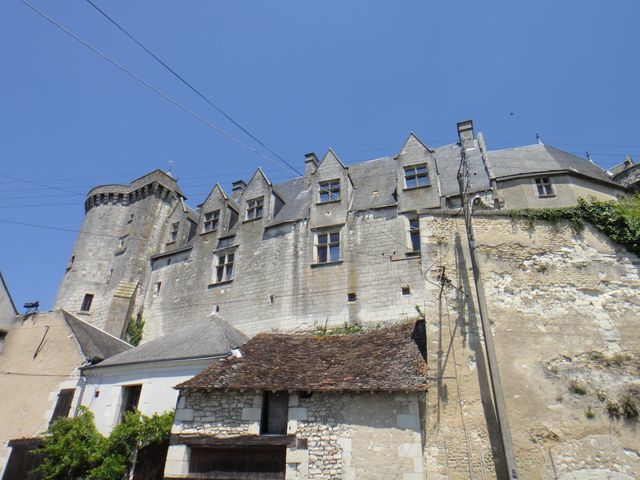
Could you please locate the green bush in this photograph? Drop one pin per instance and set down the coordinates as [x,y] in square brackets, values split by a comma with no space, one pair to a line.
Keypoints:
[74,449]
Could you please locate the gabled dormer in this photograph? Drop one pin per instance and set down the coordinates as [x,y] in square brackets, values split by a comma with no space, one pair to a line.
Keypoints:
[331,192]
[218,213]
[418,177]
[259,202]
[179,227]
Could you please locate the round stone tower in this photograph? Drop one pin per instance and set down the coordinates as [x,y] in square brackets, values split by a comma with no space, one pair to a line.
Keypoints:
[109,265]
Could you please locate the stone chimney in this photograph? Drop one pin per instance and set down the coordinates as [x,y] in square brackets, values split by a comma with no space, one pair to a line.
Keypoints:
[465,134]
[237,189]
[310,164]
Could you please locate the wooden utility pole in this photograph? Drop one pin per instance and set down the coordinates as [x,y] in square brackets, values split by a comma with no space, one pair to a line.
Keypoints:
[465,135]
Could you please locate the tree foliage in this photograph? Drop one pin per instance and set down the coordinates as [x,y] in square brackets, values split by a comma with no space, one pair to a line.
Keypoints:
[619,220]
[74,449]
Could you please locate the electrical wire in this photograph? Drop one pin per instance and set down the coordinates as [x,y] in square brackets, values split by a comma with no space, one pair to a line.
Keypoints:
[154,89]
[191,87]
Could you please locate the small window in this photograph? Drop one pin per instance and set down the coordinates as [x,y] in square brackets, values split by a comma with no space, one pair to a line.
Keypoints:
[416,176]
[327,247]
[544,187]
[275,413]
[63,404]
[254,208]
[130,399]
[86,302]
[329,191]
[156,289]
[351,297]
[211,220]
[224,267]
[414,234]
[406,290]
[173,235]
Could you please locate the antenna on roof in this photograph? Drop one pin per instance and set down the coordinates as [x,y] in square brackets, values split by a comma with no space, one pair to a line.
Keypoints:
[170,168]
[538,139]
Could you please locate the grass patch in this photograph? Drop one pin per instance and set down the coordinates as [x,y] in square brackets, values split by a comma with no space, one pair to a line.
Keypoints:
[577,388]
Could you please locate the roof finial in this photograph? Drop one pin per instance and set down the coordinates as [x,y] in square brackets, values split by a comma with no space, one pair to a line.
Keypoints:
[588,156]
[538,139]
[170,168]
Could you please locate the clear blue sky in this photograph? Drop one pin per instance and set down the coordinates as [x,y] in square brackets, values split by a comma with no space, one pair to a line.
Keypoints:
[302,76]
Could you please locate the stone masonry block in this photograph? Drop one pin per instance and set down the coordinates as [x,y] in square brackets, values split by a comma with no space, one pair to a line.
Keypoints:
[184,414]
[412,450]
[413,476]
[298,413]
[251,414]
[408,422]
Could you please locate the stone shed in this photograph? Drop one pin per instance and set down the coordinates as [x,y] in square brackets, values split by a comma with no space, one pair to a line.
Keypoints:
[305,406]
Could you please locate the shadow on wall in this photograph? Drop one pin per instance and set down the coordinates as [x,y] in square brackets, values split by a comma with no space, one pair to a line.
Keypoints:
[467,322]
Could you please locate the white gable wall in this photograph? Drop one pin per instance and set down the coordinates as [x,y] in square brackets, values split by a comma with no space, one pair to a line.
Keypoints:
[157,395]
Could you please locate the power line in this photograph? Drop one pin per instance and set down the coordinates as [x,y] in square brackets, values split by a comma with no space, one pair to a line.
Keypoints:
[191,87]
[61,229]
[17,179]
[154,89]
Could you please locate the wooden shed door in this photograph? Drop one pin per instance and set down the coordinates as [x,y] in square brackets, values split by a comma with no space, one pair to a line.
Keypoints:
[239,463]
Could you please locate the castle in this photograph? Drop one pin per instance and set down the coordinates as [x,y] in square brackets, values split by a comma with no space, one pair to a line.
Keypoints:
[381,245]
[341,244]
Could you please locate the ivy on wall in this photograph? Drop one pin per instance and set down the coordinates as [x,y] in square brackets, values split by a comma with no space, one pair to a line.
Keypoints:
[74,449]
[618,220]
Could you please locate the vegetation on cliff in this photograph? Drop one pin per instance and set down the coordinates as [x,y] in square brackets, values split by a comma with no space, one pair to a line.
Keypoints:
[618,220]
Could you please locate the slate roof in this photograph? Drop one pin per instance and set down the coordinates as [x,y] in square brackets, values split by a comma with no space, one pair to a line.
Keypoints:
[387,359]
[210,337]
[297,197]
[448,159]
[539,158]
[96,345]
[377,175]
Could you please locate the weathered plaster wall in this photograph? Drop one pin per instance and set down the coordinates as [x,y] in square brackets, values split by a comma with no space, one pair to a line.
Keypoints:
[104,390]
[522,192]
[565,309]
[29,386]
[345,436]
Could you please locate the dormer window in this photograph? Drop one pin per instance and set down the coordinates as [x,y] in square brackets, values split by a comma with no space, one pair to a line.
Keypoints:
[173,235]
[329,191]
[255,208]
[416,176]
[544,188]
[211,220]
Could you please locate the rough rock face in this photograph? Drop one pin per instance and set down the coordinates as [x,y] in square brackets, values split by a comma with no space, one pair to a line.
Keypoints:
[564,309]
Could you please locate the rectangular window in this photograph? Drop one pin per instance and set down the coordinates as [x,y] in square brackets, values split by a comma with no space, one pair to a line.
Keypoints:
[544,187]
[224,267]
[173,236]
[416,176]
[414,234]
[329,191]
[130,399]
[63,404]
[254,208]
[275,413]
[86,302]
[211,220]
[327,247]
